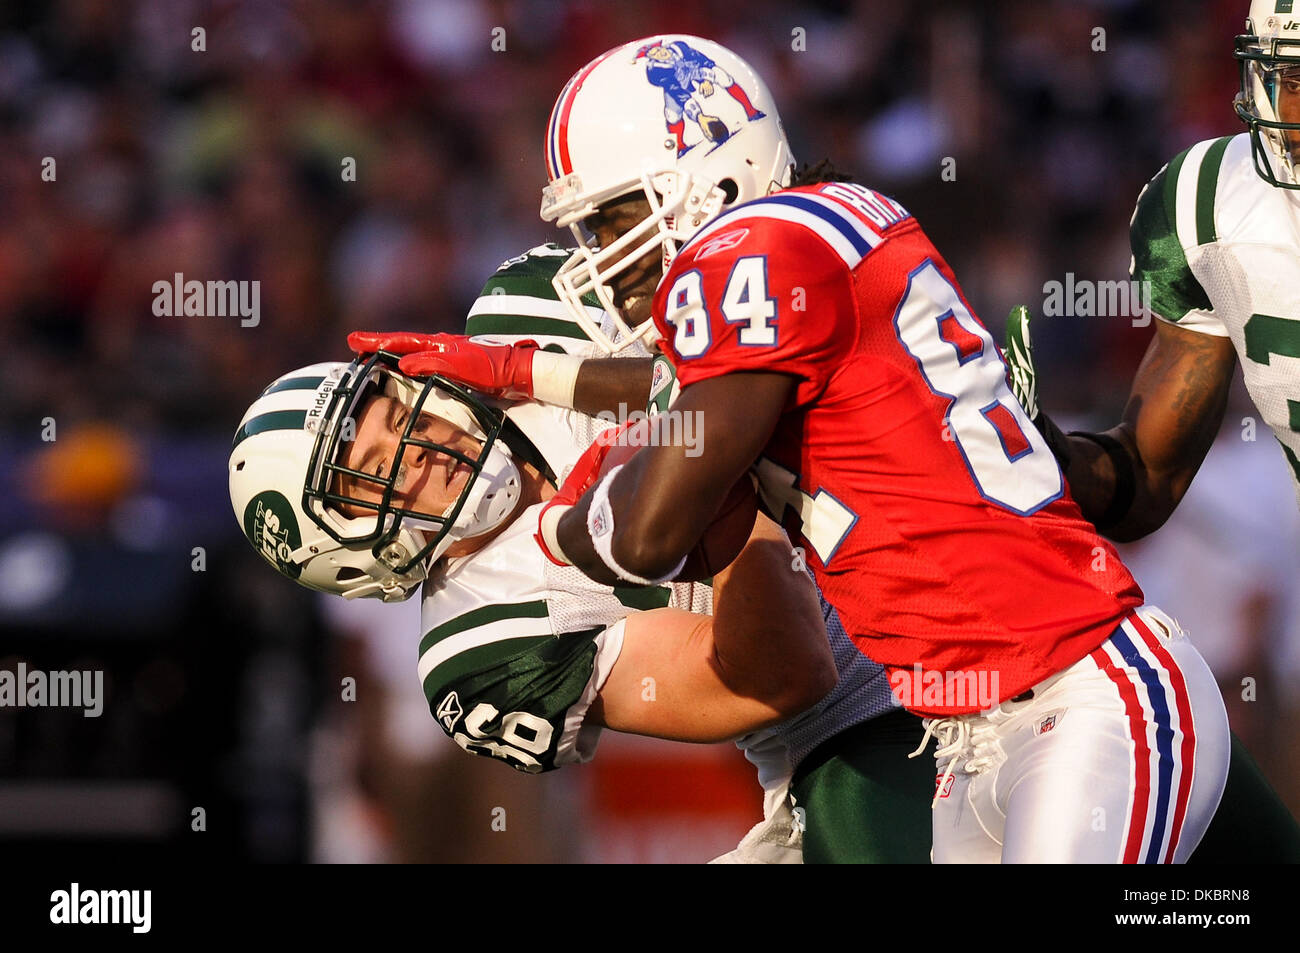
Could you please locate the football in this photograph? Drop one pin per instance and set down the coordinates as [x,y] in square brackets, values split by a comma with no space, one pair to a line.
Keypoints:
[725,536]
[726,533]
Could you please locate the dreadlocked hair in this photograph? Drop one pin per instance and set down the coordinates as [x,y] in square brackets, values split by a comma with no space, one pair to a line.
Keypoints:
[818,172]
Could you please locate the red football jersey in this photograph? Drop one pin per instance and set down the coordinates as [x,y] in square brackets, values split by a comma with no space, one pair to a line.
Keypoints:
[931,510]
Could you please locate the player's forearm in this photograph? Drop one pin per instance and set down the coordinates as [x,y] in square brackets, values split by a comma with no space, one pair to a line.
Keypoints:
[763,657]
[612,384]
[656,522]
[1114,488]
[1129,486]
[663,499]
[672,651]
[769,635]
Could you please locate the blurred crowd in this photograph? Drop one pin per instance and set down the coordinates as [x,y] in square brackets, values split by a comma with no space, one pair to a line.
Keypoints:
[214,138]
[227,162]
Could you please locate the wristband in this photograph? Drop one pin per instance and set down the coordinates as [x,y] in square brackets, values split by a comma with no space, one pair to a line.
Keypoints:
[555,377]
[547,528]
[1057,442]
[600,524]
[1125,481]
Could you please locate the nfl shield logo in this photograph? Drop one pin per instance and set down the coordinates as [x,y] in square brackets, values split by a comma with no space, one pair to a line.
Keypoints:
[1047,724]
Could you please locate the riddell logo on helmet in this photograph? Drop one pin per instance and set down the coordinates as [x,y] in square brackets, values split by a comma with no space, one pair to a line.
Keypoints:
[271,527]
[319,402]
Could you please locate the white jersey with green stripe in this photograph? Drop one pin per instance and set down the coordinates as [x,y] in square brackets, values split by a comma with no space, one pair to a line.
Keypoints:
[1221,250]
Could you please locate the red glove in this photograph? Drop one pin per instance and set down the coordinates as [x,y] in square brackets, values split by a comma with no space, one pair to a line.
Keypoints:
[606,452]
[499,370]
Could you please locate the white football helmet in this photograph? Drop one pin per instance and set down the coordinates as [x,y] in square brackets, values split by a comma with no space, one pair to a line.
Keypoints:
[1269,52]
[679,119]
[285,486]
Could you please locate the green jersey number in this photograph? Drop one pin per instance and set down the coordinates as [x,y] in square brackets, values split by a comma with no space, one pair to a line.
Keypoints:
[1267,335]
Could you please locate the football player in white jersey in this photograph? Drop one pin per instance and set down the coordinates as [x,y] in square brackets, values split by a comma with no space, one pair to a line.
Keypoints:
[522,660]
[1217,235]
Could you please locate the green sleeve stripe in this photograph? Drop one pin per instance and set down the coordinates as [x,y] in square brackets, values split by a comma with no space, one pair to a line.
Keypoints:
[499,658]
[483,616]
[1158,255]
[643,599]
[275,420]
[475,659]
[1207,186]
[523,324]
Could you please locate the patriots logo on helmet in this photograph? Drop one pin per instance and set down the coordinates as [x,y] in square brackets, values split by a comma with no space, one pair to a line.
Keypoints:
[686,75]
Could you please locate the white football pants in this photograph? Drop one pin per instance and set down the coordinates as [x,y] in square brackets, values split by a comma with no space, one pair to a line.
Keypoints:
[1120,758]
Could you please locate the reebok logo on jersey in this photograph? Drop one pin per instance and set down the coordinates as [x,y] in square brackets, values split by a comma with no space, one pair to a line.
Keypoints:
[947,785]
[449,711]
[723,242]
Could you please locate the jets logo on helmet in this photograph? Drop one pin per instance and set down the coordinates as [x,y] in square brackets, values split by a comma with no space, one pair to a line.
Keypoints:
[1269,53]
[679,120]
[337,529]
[272,528]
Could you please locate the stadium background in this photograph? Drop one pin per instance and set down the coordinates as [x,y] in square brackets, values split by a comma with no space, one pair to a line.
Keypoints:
[223,680]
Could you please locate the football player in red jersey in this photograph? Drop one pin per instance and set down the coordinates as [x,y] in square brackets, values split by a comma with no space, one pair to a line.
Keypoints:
[826,344]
